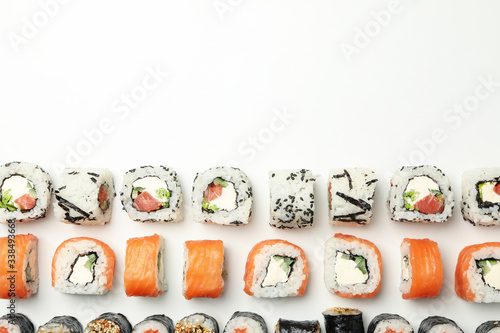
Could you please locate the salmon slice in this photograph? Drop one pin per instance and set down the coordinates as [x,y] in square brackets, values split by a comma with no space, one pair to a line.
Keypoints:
[108,253]
[463,284]
[141,266]
[26,202]
[213,192]
[14,270]
[103,196]
[496,189]
[250,278]
[430,204]
[426,268]
[145,202]
[203,269]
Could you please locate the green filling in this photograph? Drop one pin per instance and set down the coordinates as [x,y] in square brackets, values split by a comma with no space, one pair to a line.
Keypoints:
[164,194]
[90,262]
[136,190]
[29,277]
[220,181]
[206,205]
[480,189]
[286,263]
[6,201]
[410,197]
[406,262]
[358,260]
[483,264]
[32,191]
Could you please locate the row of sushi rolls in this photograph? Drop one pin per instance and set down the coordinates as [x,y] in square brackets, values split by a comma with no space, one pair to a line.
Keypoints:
[274,267]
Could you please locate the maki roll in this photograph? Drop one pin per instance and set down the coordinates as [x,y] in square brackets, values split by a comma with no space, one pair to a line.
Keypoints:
[421,268]
[197,323]
[477,275]
[85,197]
[438,324]
[144,269]
[18,266]
[16,323]
[152,194]
[245,322]
[295,326]
[292,198]
[203,268]
[83,265]
[61,324]
[481,196]
[353,267]
[350,196]
[158,323]
[25,191]
[343,320]
[276,268]
[389,323]
[420,194]
[492,326]
[109,322]
[222,195]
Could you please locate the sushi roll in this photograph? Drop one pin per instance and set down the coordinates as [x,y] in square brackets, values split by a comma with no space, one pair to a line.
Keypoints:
[343,320]
[109,322]
[158,323]
[61,324]
[389,323]
[16,323]
[438,324]
[276,268]
[296,326]
[144,269]
[420,194]
[152,194]
[492,326]
[350,196]
[245,322]
[25,191]
[353,267]
[477,275]
[481,196]
[85,197]
[197,323]
[18,266]
[84,266]
[203,269]
[292,198]
[421,268]
[222,195]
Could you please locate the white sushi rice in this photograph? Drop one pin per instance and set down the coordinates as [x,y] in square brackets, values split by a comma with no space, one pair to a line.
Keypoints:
[171,214]
[483,292]
[399,182]
[77,197]
[4,323]
[240,215]
[488,215]
[295,279]
[351,191]
[396,325]
[31,258]
[42,184]
[54,328]
[405,284]
[247,324]
[445,328]
[150,325]
[335,245]
[63,268]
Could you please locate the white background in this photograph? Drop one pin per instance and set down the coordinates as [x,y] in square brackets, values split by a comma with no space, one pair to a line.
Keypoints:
[264,85]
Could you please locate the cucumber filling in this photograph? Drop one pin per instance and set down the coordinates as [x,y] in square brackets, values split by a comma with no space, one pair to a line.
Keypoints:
[219,195]
[278,270]
[350,269]
[490,270]
[17,193]
[82,270]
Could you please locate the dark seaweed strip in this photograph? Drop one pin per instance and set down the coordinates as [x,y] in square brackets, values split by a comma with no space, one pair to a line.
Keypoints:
[70,322]
[118,319]
[295,326]
[93,174]
[487,326]
[359,203]
[162,319]
[348,323]
[24,323]
[249,315]
[67,204]
[428,323]
[93,180]
[383,317]
[349,179]
[368,183]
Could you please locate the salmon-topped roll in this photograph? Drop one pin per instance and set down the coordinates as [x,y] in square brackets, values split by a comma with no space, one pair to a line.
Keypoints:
[203,268]
[18,266]
[353,267]
[144,270]
[276,268]
[421,268]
